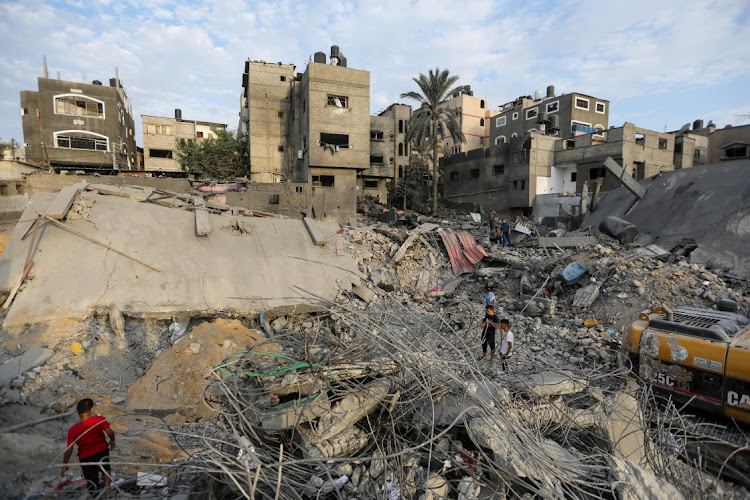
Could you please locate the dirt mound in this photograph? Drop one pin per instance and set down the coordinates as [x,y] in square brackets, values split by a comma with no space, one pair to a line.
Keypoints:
[175,381]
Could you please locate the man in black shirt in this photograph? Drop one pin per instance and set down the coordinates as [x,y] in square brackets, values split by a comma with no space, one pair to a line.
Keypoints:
[489,325]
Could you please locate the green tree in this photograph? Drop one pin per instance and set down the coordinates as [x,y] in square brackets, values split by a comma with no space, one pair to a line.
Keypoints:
[217,157]
[4,145]
[409,185]
[433,118]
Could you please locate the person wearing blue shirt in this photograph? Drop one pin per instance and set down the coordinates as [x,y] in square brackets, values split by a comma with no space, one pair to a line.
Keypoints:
[505,229]
[489,299]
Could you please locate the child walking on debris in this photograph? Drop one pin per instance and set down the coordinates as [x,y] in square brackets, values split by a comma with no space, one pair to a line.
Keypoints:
[489,326]
[506,346]
[93,449]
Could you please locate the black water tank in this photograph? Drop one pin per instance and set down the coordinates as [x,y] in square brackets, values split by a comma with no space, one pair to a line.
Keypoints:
[319,57]
[550,91]
[96,82]
[342,61]
[178,114]
[334,50]
[113,82]
[697,124]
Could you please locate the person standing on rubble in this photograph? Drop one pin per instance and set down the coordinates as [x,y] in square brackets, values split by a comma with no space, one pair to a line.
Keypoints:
[505,230]
[493,219]
[93,448]
[506,346]
[489,297]
[489,326]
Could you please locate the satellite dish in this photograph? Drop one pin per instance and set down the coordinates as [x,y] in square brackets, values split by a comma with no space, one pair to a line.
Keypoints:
[684,129]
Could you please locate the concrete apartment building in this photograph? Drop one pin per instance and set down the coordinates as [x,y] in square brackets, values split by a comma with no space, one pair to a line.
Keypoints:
[512,176]
[78,125]
[475,117]
[389,151]
[309,128]
[564,115]
[729,143]
[160,136]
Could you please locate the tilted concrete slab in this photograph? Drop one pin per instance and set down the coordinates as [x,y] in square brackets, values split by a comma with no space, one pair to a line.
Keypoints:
[705,204]
[627,181]
[73,277]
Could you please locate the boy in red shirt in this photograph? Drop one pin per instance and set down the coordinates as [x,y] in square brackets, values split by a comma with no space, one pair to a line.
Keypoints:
[88,434]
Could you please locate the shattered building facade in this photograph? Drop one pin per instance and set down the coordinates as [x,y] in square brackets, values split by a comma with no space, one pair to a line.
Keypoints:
[161,134]
[75,124]
[566,116]
[389,151]
[312,127]
[512,176]
[474,117]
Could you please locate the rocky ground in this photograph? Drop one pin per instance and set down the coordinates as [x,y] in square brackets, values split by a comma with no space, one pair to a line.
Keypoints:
[151,376]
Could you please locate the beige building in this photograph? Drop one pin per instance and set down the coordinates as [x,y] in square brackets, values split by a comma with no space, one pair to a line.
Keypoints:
[389,151]
[160,136]
[729,143]
[310,128]
[475,117]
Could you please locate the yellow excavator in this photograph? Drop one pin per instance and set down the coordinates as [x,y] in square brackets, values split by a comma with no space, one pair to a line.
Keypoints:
[701,356]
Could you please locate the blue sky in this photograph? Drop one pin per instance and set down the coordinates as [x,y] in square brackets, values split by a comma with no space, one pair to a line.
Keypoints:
[661,64]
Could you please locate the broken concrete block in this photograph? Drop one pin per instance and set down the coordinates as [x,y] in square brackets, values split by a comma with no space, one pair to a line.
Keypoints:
[23,363]
[279,323]
[150,480]
[17,382]
[621,230]
[116,321]
[65,402]
[364,293]
[621,425]
[550,383]
[586,296]
[353,407]
[195,347]
[436,488]
[12,396]
[631,482]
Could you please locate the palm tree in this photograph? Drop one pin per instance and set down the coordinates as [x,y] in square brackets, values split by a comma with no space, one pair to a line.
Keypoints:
[433,118]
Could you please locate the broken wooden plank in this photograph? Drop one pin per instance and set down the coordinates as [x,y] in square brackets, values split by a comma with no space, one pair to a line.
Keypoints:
[18,284]
[202,224]
[402,251]
[317,237]
[59,207]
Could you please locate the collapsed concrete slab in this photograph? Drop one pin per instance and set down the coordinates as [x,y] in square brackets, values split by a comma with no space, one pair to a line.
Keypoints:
[271,268]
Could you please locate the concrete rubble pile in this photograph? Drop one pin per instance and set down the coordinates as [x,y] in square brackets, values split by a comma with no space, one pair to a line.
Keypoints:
[337,361]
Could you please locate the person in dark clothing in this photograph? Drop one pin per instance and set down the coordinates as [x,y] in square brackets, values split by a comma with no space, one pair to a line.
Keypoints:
[489,326]
[505,230]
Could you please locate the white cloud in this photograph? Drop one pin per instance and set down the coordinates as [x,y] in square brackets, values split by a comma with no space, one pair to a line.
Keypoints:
[190,55]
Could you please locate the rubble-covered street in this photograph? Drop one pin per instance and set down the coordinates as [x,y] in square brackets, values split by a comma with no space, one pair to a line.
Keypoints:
[245,355]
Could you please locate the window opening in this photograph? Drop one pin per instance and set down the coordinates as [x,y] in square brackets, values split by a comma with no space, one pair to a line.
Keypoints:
[78,107]
[334,140]
[371,184]
[160,153]
[573,176]
[376,159]
[376,135]
[498,169]
[323,180]
[454,176]
[662,143]
[339,101]
[736,152]
[401,149]
[273,199]
[532,113]
[481,103]
[481,122]
[582,103]
[474,173]
[199,135]
[401,126]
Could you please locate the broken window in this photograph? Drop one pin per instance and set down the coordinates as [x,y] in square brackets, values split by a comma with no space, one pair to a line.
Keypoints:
[736,152]
[582,103]
[73,142]
[640,139]
[19,189]
[523,185]
[515,185]
[481,141]
[199,135]
[573,176]
[454,176]
[662,144]
[500,121]
[297,189]
[160,153]
[4,190]
[532,113]
[280,114]
[336,140]
[339,101]
[376,159]
[281,149]
[678,148]
[283,78]
[498,169]
[474,173]
[376,135]
[323,180]
[595,173]
[569,144]
[78,107]
[697,154]
[371,184]
[553,107]
[273,199]
[600,107]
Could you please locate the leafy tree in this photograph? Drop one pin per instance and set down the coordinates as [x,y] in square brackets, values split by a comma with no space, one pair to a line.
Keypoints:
[433,118]
[219,157]
[409,186]
[4,145]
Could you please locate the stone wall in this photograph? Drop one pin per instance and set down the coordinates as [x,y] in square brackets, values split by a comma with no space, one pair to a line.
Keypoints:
[290,199]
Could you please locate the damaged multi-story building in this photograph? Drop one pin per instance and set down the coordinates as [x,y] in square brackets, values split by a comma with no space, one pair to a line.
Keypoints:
[75,125]
[162,133]
[475,117]
[533,169]
[389,151]
[311,128]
